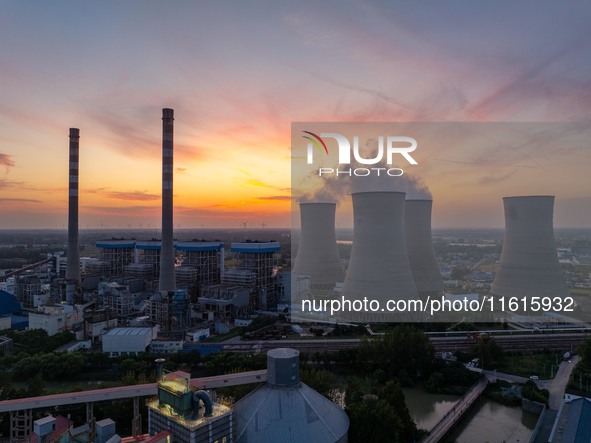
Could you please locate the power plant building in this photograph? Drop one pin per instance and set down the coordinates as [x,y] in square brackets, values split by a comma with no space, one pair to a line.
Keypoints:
[258,265]
[118,253]
[202,264]
[190,415]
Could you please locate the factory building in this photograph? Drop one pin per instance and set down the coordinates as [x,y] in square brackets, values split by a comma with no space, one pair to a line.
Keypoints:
[256,261]
[118,253]
[27,287]
[170,309]
[222,302]
[190,415]
[202,264]
[127,341]
[147,253]
[56,318]
[117,298]
[96,322]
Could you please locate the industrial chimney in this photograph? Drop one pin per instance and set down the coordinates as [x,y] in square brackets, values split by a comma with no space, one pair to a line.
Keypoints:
[379,267]
[318,256]
[73,264]
[529,262]
[419,246]
[167,279]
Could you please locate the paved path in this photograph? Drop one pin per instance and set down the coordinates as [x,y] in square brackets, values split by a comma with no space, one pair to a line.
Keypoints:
[558,385]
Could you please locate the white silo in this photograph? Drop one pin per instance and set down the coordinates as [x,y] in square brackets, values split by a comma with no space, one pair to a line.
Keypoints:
[419,246]
[318,256]
[379,267]
[529,262]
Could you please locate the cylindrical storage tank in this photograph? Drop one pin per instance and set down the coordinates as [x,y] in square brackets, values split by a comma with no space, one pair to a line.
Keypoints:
[379,267]
[283,367]
[529,262]
[318,256]
[167,278]
[287,410]
[73,264]
[419,247]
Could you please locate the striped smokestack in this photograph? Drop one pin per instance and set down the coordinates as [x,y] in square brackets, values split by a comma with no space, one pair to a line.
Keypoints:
[73,267]
[167,281]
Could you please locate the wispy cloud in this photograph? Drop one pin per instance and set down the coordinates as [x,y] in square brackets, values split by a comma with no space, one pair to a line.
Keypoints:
[19,200]
[6,161]
[133,195]
[277,198]
[11,184]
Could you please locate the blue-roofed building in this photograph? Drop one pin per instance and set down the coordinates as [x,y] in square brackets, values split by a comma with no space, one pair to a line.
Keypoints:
[258,261]
[118,253]
[9,304]
[573,422]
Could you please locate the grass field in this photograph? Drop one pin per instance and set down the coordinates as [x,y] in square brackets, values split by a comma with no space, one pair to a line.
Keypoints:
[527,365]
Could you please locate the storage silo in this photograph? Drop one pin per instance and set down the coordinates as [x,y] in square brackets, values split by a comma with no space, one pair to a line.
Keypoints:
[287,410]
[318,256]
[529,262]
[419,247]
[379,268]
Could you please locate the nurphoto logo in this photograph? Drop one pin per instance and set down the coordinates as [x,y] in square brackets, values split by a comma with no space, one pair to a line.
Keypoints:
[387,148]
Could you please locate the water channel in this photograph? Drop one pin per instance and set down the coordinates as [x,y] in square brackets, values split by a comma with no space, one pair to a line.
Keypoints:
[486,422]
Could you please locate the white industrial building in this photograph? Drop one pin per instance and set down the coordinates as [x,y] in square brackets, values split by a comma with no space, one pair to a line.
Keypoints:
[126,341]
[55,319]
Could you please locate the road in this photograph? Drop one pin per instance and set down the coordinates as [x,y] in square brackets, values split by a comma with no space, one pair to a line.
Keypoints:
[558,385]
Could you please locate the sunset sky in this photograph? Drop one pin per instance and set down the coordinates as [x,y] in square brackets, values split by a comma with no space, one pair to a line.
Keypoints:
[239,73]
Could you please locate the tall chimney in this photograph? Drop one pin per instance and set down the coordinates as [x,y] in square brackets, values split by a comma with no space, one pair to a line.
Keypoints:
[167,281]
[73,267]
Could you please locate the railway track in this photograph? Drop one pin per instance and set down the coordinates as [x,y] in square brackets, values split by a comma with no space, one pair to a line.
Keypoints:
[514,342]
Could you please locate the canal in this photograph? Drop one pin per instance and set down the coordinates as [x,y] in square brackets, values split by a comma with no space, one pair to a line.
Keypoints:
[486,422]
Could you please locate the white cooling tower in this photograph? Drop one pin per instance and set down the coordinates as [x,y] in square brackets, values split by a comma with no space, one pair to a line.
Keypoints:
[318,256]
[379,267]
[529,262]
[419,246]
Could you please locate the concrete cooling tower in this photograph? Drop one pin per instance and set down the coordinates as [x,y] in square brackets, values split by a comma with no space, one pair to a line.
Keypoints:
[318,256]
[419,246]
[529,262]
[379,267]
[167,278]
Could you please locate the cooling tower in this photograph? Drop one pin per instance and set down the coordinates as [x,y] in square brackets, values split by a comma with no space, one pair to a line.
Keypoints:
[379,267]
[318,256]
[419,246]
[529,263]
[73,266]
[167,279]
